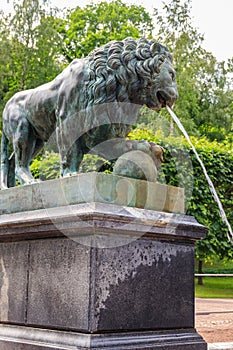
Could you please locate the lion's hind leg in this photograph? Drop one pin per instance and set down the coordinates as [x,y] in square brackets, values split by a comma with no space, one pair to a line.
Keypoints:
[24,142]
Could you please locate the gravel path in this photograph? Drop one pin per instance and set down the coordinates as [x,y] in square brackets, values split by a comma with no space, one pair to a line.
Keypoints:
[214,319]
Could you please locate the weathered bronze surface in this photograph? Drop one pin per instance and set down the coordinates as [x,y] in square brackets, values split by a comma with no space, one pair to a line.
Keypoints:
[94,99]
[141,161]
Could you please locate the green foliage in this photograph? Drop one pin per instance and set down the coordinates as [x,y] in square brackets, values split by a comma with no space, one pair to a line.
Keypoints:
[46,166]
[96,24]
[28,49]
[205,86]
[217,266]
[215,287]
[181,168]
[91,162]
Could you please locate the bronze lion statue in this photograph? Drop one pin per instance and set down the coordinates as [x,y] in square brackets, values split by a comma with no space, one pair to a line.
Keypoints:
[94,99]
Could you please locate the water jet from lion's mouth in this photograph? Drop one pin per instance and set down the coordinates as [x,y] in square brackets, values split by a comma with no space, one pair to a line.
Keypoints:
[210,183]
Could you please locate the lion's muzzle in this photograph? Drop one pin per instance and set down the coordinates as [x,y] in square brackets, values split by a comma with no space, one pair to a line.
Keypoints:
[166,92]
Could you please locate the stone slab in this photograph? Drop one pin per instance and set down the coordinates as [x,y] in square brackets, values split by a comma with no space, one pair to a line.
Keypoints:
[102,219]
[13,281]
[59,284]
[100,276]
[92,187]
[122,288]
[112,271]
[143,285]
[22,338]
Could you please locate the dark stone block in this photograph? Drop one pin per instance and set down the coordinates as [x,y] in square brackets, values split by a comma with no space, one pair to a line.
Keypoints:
[140,285]
[144,285]
[58,284]
[137,293]
[13,281]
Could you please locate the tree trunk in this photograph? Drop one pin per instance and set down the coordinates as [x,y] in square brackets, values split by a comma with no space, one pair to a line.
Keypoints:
[200,279]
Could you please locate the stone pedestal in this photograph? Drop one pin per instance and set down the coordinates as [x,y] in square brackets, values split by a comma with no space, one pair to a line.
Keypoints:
[96,274]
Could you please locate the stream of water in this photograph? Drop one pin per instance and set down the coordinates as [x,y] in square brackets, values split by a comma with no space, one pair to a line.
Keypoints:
[210,183]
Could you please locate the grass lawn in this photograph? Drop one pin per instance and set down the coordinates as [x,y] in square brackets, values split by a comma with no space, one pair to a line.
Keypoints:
[215,287]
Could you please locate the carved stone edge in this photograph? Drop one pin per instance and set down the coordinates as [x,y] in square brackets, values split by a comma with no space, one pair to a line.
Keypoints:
[99,219]
[92,187]
[52,339]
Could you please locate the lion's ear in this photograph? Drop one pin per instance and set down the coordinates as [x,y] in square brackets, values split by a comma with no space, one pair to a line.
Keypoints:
[155,48]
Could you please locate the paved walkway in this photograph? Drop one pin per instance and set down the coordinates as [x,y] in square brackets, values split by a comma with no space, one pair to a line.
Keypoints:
[214,321]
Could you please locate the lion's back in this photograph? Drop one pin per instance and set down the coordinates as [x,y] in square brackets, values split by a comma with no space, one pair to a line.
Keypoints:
[41,104]
[74,80]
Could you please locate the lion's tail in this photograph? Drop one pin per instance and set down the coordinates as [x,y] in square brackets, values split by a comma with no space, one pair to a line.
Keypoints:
[7,165]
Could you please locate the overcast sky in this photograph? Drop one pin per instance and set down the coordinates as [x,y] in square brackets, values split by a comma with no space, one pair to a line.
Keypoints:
[213,18]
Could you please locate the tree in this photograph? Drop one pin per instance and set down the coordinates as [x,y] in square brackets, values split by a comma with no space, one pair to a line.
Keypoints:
[30,52]
[5,47]
[95,24]
[216,107]
[205,90]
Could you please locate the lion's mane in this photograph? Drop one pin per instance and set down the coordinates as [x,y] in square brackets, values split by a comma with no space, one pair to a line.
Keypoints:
[121,71]
[117,69]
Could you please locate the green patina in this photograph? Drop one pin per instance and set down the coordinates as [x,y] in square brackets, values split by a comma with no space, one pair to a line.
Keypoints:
[94,99]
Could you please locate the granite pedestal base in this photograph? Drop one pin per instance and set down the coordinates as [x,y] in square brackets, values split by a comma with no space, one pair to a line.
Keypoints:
[97,276]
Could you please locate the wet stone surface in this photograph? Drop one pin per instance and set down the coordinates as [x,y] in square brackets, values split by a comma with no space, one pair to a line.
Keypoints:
[144,285]
[64,284]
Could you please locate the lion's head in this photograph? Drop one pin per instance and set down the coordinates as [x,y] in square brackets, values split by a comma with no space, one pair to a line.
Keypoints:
[139,72]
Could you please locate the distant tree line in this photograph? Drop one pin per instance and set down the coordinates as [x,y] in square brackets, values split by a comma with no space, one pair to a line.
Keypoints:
[37,42]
